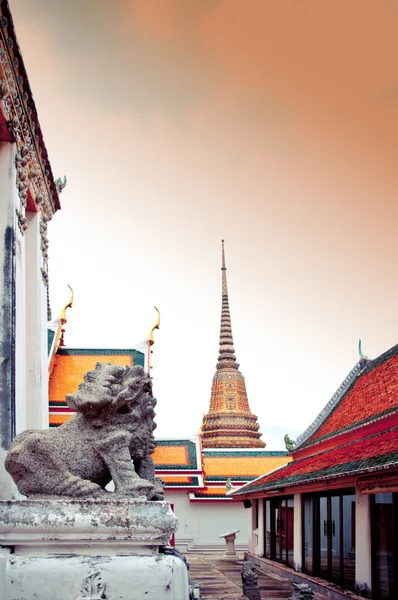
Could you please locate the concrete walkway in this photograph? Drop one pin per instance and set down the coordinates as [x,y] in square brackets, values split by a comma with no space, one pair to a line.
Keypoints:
[220,579]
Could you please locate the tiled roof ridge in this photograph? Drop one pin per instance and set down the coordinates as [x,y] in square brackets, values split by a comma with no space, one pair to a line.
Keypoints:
[357,425]
[362,367]
[344,444]
[309,477]
[379,360]
[305,458]
[339,394]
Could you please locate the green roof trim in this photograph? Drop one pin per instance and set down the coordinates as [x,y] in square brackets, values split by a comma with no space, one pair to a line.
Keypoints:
[238,454]
[192,458]
[50,339]
[231,477]
[213,496]
[139,357]
[193,483]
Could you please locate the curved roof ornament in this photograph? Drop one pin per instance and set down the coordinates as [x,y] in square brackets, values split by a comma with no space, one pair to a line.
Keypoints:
[68,305]
[60,184]
[156,326]
[361,354]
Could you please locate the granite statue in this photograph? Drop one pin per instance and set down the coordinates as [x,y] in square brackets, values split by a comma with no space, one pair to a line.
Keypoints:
[251,588]
[110,437]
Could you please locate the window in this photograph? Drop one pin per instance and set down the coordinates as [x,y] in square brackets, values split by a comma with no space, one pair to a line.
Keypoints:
[279,529]
[384,509]
[329,536]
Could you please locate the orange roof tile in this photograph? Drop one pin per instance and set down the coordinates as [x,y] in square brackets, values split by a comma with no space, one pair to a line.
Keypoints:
[57,419]
[171,455]
[69,371]
[241,465]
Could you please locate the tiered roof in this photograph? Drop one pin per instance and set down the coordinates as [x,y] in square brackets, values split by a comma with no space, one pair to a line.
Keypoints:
[354,436]
[69,367]
[238,466]
[229,422]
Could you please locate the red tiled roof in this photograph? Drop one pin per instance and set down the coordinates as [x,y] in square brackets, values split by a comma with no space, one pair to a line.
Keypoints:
[369,392]
[374,393]
[364,455]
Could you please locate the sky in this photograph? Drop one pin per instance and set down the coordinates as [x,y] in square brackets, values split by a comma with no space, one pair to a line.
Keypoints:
[272,124]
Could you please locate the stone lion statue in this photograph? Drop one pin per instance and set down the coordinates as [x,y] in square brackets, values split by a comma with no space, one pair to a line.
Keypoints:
[110,437]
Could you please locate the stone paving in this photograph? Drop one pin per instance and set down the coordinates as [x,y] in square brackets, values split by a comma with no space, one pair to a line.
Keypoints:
[220,579]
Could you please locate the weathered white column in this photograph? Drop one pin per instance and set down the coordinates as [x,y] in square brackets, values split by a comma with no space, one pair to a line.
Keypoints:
[252,525]
[7,309]
[20,333]
[36,329]
[363,560]
[298,534]
[260,528]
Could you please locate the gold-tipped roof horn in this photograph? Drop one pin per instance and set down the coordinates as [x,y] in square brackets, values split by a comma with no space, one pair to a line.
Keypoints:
[156,326]
[68,305]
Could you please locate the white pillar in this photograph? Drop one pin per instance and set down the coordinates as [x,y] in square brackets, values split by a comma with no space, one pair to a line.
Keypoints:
[252,517]
[36,329]
[260,533]
[363,555]
[20,333]
[7,309]
[298,534]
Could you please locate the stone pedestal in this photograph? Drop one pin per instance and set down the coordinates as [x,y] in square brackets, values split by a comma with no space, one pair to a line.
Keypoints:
[230,537]
[89,550]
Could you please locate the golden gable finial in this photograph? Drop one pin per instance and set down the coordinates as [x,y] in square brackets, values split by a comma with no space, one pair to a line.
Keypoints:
[156,326]
[68,305]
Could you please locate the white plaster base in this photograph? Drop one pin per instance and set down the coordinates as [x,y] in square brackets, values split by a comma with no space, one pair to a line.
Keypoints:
[64,577]
[89,550]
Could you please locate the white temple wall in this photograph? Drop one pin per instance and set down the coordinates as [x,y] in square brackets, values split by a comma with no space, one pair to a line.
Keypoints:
[23,320]
[201,523]
[36,329]
[7,309]
[20,333]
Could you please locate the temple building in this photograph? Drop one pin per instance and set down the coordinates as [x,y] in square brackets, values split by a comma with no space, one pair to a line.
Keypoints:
[29,200]
[332,512]
[199,470]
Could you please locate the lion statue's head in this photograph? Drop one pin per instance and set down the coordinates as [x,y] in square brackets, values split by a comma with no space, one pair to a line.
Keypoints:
[112,394]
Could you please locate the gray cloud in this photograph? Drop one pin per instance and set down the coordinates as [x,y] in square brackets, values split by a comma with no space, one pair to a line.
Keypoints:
[107,59]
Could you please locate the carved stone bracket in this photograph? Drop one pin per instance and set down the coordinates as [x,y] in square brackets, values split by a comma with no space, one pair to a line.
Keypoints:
[21,220]
[93,587]
[15,102]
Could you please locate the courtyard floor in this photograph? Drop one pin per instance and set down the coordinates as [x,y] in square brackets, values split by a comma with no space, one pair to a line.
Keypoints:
[220,579]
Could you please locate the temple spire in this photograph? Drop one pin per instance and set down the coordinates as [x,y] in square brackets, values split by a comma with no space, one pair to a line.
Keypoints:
[227,358]
[229,422]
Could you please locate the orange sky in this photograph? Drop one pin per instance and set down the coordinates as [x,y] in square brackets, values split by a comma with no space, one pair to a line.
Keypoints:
[272,124]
